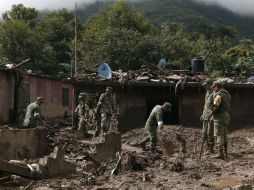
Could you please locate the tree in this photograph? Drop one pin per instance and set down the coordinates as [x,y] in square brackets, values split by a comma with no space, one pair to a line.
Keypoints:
[20,12]
[240,58]
[117,34]
[177,44]
[57,29]
[17,41]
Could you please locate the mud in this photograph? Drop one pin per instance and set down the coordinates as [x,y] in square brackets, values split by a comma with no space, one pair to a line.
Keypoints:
[152,170]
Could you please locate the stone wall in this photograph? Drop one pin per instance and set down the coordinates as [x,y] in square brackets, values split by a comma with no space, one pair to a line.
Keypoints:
[22,143]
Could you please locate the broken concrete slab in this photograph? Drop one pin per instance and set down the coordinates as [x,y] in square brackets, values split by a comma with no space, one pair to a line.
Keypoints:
[129,148]
[18,144]
[107,148]
[242,187]
[55,165]
[49,166]
[17,169]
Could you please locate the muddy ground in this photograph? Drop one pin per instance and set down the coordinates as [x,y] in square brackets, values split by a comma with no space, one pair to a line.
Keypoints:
[147,170]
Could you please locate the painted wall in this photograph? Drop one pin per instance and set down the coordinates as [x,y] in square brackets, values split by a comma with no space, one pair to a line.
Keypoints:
[6,89]
[51,91]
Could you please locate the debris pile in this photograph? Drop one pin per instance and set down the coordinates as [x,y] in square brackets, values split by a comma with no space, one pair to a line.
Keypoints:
[152,74]
[131,167]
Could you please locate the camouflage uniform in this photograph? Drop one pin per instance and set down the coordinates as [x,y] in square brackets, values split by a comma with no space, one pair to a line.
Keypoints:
[152,123]
[32,112]
[107,108]
[221,120]
[205,116]
[83,112]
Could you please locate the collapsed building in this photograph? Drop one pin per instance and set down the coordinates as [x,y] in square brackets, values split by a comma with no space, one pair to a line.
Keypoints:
[137,93]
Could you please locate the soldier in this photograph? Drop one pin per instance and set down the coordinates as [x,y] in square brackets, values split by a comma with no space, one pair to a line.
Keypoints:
[205,116]
[33,113]
[155,120]
[221,118]
[105,108]
[82,111]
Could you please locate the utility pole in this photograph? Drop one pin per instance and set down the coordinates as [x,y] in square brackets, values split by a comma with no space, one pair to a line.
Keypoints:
[75,40]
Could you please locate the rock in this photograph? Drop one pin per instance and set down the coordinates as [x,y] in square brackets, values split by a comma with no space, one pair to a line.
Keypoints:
[43,188]
[242,187]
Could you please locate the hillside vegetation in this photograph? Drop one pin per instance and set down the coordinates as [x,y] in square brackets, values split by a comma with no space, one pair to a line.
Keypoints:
[193,15]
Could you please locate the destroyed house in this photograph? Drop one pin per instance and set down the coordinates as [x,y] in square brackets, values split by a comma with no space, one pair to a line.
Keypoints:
[136,99]
[58,95]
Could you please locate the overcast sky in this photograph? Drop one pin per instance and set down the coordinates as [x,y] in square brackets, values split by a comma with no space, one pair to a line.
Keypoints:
[41,4]
[245,7]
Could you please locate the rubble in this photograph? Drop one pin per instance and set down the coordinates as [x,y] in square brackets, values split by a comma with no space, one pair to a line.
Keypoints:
[22,143]
[242,187]
[139,169]
[149,74]
[55,165]
[106,148]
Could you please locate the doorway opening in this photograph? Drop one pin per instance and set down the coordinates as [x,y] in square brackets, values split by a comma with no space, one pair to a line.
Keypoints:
[168,118]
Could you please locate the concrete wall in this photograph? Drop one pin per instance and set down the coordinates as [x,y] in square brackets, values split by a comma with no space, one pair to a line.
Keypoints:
[22,143]
[191,102]
[51,91]
[137,100]
[6,95]
[242,105]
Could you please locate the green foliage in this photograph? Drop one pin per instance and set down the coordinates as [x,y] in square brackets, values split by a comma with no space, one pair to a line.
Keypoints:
[241,58]
[47,42]
[189,12]
[177,44]
[57,31]
[17,41]
[123,37]
[19,12]
[118,34]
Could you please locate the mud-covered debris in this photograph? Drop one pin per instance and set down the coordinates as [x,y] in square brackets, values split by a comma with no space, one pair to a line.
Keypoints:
[242,187]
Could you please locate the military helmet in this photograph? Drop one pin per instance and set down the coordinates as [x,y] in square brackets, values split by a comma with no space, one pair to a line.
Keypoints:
[207,82]
[109,88]
[82,95]
[217,83]
[40,99]
[167,106]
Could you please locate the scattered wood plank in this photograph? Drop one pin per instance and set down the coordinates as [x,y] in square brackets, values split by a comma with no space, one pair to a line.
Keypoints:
[118,164]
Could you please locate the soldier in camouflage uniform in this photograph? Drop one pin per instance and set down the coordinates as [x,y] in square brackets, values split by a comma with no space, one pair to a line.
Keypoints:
[82,111]
[155,120]
[105,108]
[33,113]
[221,118]
[205,116]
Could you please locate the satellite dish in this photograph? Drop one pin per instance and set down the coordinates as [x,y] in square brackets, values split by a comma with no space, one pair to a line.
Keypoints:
[104,70]
[162,63]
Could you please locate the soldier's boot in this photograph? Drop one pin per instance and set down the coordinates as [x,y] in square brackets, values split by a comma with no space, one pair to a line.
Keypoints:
[225,151]
[142,144]
[96,134]
[152,149]
[220,155]
[209,150]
